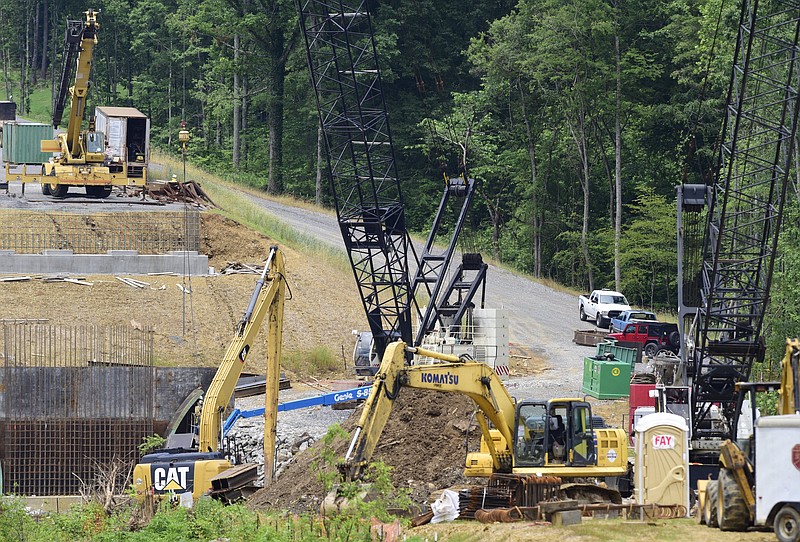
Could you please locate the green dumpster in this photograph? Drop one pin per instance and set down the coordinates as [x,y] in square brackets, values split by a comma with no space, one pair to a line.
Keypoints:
[621,353]
[606,379]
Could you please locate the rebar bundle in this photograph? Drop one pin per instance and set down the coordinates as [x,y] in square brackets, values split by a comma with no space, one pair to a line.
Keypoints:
[473,499]
[527,490]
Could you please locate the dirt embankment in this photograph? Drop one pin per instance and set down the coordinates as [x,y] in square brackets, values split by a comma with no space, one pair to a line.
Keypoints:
[195,330]
[424,442]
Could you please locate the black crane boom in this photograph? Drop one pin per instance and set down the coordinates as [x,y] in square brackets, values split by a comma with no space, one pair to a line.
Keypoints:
[743,207]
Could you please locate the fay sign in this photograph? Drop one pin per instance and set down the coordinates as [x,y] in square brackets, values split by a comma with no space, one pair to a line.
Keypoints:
[663,442]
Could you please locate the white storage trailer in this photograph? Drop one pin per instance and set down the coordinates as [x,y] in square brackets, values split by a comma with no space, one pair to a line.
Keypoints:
[127,132]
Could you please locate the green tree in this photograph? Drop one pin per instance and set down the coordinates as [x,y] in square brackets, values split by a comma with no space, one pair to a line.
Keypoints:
[649,251]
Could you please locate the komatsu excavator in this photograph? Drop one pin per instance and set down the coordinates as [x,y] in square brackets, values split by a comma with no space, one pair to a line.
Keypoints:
[548,438]
[207,467]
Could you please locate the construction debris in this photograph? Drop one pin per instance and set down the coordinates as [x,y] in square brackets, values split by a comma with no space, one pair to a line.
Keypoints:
[232,268]
[176,191]
[79,281]
[15,279]
[133,282]
[65,278]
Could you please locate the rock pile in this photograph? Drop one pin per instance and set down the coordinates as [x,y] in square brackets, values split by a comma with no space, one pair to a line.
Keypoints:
[297,430]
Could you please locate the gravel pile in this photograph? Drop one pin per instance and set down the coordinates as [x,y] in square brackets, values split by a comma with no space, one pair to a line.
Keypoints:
[296,431]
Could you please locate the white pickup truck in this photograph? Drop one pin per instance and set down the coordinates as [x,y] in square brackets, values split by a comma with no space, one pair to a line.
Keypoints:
[601,306]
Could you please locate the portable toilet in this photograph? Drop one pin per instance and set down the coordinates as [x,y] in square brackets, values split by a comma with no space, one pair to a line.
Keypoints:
[662,460]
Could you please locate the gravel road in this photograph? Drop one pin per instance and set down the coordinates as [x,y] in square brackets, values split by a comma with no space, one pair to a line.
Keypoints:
[541,319]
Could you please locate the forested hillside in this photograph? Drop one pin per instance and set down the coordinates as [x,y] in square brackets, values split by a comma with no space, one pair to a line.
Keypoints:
[577,118]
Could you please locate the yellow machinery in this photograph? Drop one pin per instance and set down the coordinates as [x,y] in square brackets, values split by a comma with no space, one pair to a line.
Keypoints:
[84,157]
[759,483]
[552,438]
[206,468]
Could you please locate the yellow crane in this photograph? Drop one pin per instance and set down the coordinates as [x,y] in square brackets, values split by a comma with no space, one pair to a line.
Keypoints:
[86,157]
[207,467]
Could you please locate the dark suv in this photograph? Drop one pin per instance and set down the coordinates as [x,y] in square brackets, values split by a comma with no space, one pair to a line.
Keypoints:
[652,336]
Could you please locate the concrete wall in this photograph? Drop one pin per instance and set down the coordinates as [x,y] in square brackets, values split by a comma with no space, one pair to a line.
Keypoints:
[112,263]
[98,392]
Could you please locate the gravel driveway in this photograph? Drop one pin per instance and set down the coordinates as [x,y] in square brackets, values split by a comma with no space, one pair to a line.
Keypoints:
[541,319]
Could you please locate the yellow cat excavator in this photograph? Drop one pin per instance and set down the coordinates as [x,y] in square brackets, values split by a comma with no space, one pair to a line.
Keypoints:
[206,466]
[547,438]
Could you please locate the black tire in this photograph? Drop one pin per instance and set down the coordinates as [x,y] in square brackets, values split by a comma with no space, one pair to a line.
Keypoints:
[650,350]
[95,191]
[699,512]
[787,524]
[710,507]
[675,339]
[59,190]
[732,512]
[45,189]
[600,321]
[582,314]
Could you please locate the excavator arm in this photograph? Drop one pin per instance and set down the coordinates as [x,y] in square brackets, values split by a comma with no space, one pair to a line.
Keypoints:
[266,302]
[206,469]
[475,380]
[789,396]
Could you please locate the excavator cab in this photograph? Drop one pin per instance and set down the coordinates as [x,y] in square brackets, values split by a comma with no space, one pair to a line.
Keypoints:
[556,432]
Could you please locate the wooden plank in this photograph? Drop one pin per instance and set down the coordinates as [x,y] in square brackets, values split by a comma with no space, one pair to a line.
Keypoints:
[78,281]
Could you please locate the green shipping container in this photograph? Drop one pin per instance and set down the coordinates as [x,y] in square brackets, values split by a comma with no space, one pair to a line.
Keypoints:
[22,142]
[606,379]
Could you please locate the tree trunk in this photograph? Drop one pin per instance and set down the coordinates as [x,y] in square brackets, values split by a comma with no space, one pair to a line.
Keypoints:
[536,232]
[237,111]
[245,106]
[579,136]
[618,169]
[45,39]
[35,52]
[320,165]
[169,105]
[276,82]
[494,215]
[6,60]
[52,62]
[24,68]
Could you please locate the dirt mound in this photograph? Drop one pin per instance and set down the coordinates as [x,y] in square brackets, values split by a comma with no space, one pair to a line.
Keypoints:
[424,442]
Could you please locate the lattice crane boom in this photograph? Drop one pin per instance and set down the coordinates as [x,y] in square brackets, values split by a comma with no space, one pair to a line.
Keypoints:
[343,62]
[744,208]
